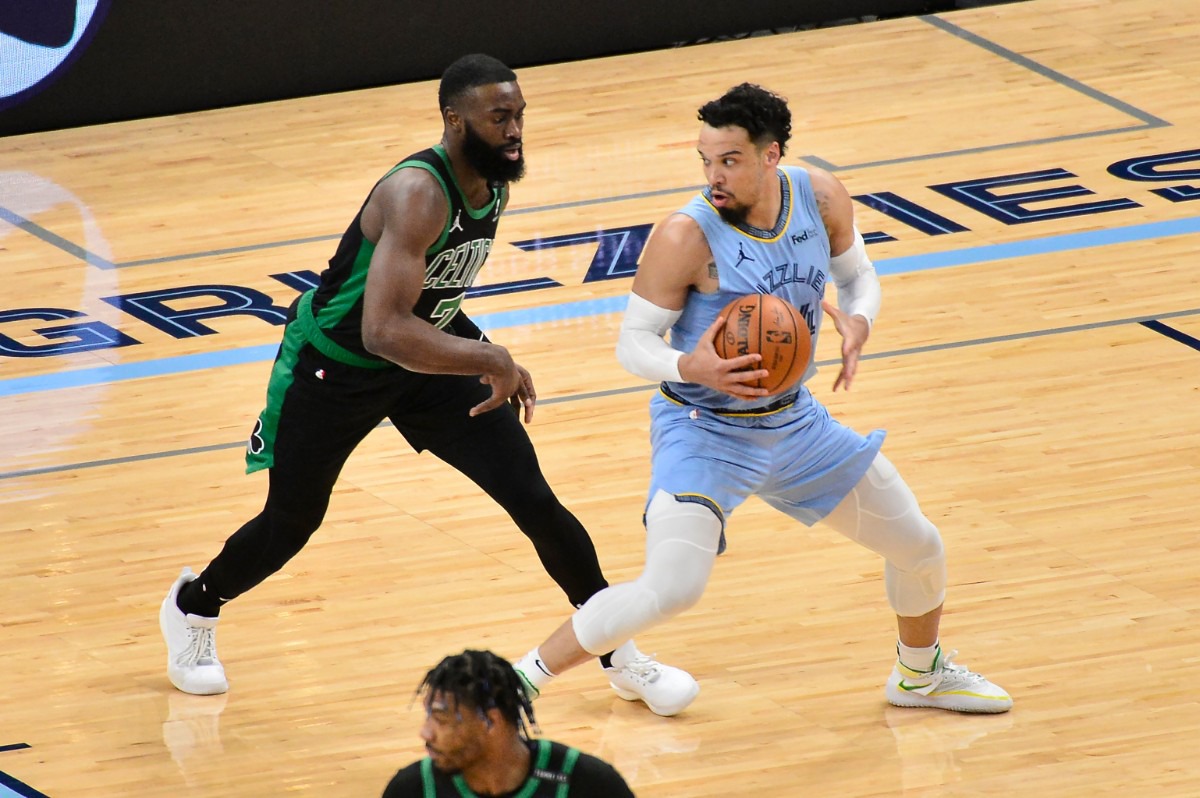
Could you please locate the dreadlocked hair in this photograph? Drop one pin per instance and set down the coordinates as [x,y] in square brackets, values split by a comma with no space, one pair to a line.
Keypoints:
[468,72]
[761,113]
[481,680]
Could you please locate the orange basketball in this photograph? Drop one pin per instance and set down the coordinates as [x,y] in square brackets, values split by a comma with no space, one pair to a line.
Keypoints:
[770,326]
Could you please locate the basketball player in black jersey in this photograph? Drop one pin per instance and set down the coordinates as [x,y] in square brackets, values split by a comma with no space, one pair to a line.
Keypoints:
[476,732]
[383,336]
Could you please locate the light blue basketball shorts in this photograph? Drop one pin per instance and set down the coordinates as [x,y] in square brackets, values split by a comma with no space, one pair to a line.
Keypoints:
[798,460]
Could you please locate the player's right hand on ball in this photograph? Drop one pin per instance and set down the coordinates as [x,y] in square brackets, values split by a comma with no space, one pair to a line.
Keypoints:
[731,376]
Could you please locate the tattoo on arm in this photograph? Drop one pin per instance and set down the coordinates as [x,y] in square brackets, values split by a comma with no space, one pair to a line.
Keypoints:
[712,269]
[822,198]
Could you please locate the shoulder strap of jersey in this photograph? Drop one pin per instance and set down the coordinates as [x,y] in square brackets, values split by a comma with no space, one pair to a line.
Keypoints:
[425,160]
[568,764]
[559,770]
[430,788]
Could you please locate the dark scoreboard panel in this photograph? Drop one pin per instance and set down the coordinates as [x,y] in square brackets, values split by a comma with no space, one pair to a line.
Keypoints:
[65,63]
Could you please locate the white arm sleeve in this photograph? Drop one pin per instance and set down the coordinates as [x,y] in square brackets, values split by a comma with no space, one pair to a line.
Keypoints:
[856,281]
[641,348]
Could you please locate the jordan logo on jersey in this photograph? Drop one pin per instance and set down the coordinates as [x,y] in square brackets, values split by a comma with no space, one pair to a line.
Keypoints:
[457,221]
[742,256]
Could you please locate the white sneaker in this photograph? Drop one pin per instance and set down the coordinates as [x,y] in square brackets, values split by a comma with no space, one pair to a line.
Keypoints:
[192,663]
[663,688]
[947,686]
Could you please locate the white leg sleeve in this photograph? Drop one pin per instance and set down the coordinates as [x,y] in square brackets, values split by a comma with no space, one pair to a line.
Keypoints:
[681,546]
[882,514]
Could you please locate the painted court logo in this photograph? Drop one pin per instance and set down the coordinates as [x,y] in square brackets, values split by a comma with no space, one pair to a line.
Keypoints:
[40,40]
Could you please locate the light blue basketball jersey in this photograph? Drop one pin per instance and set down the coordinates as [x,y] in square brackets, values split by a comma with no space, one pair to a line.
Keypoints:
[712,448]
[790,261]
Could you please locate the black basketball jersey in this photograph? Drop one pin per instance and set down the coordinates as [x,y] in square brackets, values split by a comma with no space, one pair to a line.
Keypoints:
[556,771]
[451,264]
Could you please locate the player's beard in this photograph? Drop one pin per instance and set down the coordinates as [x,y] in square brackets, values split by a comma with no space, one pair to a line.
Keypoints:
[489,161]
[735,216]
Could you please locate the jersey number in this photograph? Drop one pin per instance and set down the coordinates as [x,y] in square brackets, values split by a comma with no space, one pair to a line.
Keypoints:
[445,310]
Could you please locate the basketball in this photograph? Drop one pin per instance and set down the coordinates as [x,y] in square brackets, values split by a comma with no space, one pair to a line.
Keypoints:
[773,328]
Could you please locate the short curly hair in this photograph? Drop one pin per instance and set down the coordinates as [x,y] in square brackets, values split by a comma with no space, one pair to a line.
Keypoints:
[763,114]
[479,681]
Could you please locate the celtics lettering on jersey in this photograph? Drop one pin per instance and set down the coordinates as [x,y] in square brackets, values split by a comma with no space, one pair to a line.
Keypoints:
[451,263]
[453,269]
[454,261]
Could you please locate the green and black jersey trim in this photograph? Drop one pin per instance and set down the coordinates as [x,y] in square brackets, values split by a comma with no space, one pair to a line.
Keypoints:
[474,213]
[353,287]
[531,785]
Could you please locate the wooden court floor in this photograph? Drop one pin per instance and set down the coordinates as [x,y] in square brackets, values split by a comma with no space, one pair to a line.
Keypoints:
[1029,177]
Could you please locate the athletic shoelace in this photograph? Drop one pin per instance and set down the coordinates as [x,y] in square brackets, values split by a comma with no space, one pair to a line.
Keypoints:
[202,647]
[644,667]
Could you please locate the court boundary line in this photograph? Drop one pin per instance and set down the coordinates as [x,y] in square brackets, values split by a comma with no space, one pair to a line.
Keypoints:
[1148,121]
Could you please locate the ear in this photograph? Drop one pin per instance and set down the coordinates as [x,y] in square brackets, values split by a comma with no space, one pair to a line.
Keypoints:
[452,118]
[492,718]
[773,155]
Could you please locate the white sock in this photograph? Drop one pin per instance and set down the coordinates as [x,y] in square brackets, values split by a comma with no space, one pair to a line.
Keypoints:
[535,670]
[918,659]
[624,654]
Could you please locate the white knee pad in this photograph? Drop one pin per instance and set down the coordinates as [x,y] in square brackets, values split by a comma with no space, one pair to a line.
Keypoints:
[921,588]
[882,514]
[681,546]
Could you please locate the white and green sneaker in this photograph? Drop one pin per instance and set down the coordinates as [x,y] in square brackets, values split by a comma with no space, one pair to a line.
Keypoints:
[531,692]
[947,686]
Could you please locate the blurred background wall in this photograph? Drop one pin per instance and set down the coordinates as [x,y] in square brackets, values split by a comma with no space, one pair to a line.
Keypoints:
[65,63]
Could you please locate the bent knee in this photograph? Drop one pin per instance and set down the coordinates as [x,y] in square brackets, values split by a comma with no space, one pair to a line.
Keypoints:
[923,548]
[677,596]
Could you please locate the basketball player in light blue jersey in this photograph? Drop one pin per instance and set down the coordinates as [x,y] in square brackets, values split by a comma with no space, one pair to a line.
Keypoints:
[761,227]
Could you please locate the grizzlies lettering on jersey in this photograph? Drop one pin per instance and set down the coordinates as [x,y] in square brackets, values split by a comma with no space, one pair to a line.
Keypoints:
[790,261]
[451,264]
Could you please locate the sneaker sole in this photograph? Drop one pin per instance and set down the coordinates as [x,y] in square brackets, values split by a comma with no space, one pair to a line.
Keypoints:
[665,712]
[994,707]
[180,685]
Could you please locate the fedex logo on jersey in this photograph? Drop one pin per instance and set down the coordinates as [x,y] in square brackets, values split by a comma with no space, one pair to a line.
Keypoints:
[40,40]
